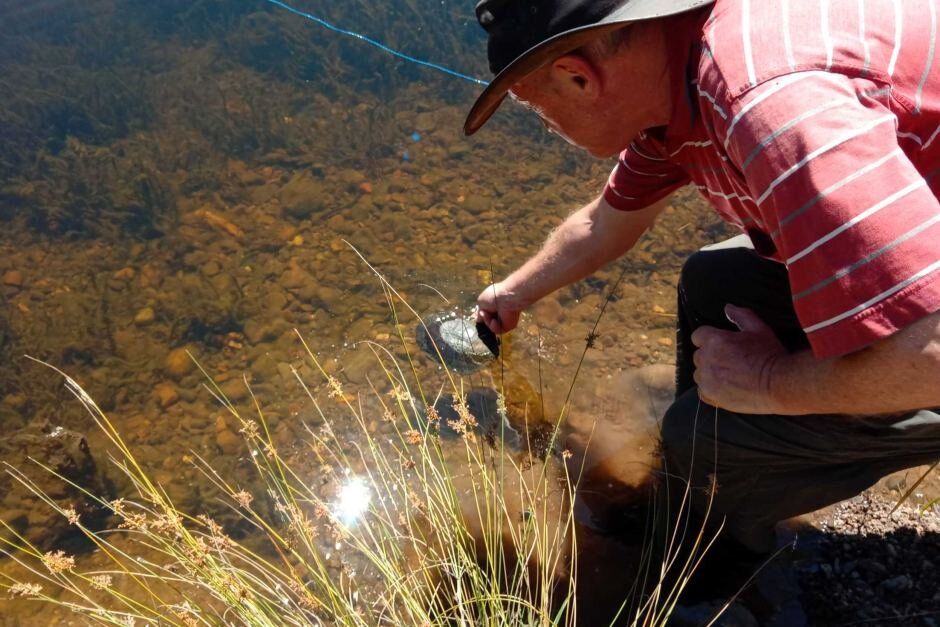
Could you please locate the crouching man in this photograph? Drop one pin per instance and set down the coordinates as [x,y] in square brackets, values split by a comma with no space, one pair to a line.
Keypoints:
[807,359]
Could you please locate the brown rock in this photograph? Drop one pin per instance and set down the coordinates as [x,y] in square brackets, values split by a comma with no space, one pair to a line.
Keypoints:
[210,269]
[150,276]
[166,394]
[144,317]
[234,390]
[178,363]
[13,278]
[243,175]
[264,367]
[125,274]
[337,222]
[69,469]
[302,196]
[228,441]
[295,276]
[127,342]
[219,222]
[286,232]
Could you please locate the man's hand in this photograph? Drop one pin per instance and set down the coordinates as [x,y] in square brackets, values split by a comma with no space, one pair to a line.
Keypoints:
[733,369]
[499,308]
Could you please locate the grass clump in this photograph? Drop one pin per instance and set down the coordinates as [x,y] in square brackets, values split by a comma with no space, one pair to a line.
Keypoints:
[391,525]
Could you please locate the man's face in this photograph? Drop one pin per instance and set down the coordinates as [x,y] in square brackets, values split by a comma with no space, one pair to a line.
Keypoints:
[601,105]
[562,116]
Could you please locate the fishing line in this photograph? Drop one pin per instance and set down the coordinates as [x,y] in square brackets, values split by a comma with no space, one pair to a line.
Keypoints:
[377,44]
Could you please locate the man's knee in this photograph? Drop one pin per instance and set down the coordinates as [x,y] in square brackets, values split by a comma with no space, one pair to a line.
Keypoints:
[710,275]
[696,273]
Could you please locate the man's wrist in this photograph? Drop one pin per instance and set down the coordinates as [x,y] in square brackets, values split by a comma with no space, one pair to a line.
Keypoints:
[792,384]
[513,291]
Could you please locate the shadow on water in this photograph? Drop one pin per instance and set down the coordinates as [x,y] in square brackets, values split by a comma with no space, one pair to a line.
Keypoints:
[615,459]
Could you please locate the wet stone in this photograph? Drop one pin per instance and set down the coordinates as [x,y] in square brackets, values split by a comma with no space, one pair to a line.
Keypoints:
[178,364]
[66,453]
[144,317]
[234,390]
[492,422]
[228,441]
[166,394]
[302,196]
[13,278]
[464,346]
[125,274]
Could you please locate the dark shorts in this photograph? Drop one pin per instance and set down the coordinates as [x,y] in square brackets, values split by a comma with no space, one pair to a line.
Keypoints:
[766,468]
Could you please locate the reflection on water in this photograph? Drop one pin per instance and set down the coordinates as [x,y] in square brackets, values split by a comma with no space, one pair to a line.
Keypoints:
[183,178]
[353,501]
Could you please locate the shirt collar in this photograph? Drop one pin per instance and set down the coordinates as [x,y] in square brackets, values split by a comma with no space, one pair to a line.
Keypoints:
[684,51]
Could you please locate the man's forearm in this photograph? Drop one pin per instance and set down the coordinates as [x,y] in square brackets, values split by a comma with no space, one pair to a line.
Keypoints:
[897,374]
[589,238]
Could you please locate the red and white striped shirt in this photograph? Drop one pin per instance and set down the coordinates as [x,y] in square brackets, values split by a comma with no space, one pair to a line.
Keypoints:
[815,128]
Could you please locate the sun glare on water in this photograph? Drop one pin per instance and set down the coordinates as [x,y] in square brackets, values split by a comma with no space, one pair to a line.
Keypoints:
[353,501]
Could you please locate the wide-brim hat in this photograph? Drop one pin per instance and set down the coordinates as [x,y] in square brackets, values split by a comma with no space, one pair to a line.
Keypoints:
[524,35]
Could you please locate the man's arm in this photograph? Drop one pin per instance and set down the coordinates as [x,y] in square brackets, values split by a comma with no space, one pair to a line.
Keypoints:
[589,238]
[898,373]
[750,372]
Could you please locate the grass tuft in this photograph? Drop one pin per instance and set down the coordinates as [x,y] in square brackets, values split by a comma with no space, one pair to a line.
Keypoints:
[392,526]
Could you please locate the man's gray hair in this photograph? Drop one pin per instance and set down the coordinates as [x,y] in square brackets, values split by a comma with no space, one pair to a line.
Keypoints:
[606,44]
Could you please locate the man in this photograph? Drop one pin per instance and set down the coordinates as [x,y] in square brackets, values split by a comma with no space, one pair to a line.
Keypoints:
[805,360]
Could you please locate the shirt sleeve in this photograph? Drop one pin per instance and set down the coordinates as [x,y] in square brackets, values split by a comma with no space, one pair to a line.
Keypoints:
[846,209]
[642,176]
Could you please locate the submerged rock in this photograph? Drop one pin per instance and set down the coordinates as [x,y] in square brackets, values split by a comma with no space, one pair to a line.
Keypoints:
[63,452]
[178,364]
[464,346]
[490,419]
[13,278]
[144,316]
[302,196]
[504,424]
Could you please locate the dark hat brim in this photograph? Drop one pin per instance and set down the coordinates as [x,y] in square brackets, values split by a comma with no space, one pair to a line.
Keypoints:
[552,48]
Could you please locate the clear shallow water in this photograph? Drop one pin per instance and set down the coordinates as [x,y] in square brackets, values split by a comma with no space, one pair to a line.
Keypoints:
[187,176]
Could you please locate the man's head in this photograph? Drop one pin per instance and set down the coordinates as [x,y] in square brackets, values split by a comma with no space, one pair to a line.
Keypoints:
[579,63]
[601,95]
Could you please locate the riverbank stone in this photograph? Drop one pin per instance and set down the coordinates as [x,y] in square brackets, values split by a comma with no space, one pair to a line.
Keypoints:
[464,346]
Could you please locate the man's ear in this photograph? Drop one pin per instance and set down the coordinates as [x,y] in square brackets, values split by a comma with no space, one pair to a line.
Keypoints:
[577,76]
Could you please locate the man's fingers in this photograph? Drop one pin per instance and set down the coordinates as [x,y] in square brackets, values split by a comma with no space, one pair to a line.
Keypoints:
[745,319]
[490,319]
[495,325]
[703,335]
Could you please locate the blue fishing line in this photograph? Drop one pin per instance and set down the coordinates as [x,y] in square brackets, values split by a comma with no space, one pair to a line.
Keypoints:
[377,44]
